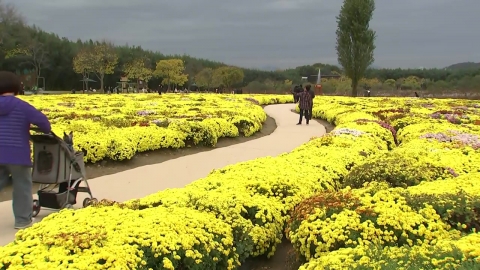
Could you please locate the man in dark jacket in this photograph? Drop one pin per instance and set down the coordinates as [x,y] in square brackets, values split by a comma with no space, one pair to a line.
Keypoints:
[305,103]
[16,116]
[311,92]
[298,89]
[294,95]
[295,92]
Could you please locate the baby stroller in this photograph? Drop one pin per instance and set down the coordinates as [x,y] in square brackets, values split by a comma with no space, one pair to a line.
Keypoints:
[59,170]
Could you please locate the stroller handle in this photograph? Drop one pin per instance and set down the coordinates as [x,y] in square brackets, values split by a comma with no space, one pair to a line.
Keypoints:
[36,129]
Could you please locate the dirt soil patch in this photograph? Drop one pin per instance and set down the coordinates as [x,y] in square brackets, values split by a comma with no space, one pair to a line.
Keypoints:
[107,167]
[284,258]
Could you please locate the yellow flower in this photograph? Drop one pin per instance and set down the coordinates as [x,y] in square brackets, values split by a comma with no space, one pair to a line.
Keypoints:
[240,211]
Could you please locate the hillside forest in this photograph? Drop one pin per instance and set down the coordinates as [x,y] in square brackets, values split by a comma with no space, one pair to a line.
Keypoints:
[55,63]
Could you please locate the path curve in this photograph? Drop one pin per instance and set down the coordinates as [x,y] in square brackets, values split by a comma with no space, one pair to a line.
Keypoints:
[176,173]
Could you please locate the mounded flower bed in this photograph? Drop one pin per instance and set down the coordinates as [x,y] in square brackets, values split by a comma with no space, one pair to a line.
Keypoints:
[378,192]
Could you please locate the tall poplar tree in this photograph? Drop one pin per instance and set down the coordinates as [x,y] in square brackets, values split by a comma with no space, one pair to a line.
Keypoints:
[355,39]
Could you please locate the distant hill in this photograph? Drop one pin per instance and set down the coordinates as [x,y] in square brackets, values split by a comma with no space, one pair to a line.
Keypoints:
[268,68]
[464,65]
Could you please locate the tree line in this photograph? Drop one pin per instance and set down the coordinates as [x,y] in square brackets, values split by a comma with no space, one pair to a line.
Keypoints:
[61,64]
[355,52]
[64,64]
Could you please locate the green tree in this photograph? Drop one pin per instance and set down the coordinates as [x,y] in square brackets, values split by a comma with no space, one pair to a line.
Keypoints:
[276,86]
[228,76]
[171,70]
[192,68]
[442,85]
[411,83]
[204,78]
[31,52]
[61,53]
[256,87]
[288,83]
[355,39]
[11,23]
[83,64]
[138,70]
[390,83]
[104,59]
[270,84]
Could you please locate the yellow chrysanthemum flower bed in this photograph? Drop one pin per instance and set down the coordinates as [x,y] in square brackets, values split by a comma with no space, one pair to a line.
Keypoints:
[350,218]
[123,125]
[389,219]
[118,238]
[412,207]
[446,254]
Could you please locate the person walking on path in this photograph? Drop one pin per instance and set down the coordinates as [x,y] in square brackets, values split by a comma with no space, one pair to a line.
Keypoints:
[16,116]
[312,95]
[297,90]
[305,104]
[294,94]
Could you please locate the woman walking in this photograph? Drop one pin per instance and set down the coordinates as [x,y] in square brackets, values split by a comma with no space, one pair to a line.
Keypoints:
[16,116]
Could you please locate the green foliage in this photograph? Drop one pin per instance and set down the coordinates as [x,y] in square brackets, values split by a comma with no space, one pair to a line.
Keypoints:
[204,78]
[355,40]
[431,258]
[104,58]
[458,208]
[333,202]
[137,69]
[269,86]
[395,168]
[82,64]
[171,71]
[256,87]
[55,58]
[228,76]
[390,83]
[30,51]
[99,59]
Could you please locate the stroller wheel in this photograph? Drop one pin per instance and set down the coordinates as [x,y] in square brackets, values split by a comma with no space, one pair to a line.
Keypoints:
[87,202]
[36,208]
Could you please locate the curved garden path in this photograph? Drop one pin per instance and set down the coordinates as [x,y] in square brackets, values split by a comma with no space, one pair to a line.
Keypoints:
[175,173]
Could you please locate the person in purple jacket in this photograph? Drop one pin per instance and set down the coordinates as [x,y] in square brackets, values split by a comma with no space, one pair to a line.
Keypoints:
[16,116]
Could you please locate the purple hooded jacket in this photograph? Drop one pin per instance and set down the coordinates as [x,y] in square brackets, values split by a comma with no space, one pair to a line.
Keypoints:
[16,116]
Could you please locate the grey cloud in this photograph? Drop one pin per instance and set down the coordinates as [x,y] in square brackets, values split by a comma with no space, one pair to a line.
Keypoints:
[257,33]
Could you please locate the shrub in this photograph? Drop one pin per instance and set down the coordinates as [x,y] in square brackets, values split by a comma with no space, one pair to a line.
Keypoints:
[382,218]
[445,255]
[457,201]
[470,246]
[395,168]
[372,128]
[382,124]
[113,238]
[334,202]
[256,222]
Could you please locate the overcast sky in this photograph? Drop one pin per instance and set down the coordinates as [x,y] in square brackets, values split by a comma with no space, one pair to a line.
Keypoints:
[268,33]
